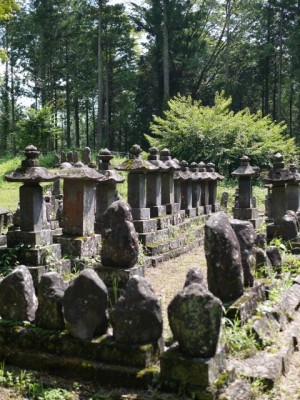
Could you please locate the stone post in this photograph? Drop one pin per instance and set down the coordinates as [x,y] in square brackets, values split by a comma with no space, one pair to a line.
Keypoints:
[184,176]
[154,185]
[213,186]
[196,188]
[106,188]
[168,190]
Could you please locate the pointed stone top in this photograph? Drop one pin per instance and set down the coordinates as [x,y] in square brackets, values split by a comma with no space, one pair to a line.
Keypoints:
[30,170]
[184,174]
[135,163]
[245,169]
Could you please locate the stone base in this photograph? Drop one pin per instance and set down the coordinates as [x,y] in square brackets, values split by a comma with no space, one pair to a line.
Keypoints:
[41,238]
[144,226]
[200,210]
[81,246]
[140,213]
[245,213]
[157,211]
[172,208]
[101,360]
[3,240]
[257,223]
[118,278]
[196,374]
[191,212]
[215,208]
[39,256]
[164,222]
[178,217]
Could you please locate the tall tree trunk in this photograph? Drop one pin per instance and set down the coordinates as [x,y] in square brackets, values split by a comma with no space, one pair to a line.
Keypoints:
[227,50]
[166,62]
[107,140]
[291,100]
[68,106]
[280,64]
[99,139]
[87,121]
[76,120]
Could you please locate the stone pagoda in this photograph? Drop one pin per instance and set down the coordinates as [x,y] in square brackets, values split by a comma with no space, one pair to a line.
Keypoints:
[167,194]
[204,188]
[36,242]
[244,208]
[106,188]
[78,222]
[214,177]
[293,190]
[183,191]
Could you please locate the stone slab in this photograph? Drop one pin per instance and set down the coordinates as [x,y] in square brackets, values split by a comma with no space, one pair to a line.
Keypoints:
[79,246]
[140,213]
[40,256]
[164,222]
[3,240]
[157,211]
[238,390]
[191,212]
[245,213]
[145,226]
[41,238]
[266,327]
[178,369]
[172,208]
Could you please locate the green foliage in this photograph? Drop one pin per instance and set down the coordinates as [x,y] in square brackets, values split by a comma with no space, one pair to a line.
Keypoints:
[196,132]
[37,128]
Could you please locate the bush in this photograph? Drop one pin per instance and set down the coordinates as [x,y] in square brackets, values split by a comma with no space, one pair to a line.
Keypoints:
[197,133]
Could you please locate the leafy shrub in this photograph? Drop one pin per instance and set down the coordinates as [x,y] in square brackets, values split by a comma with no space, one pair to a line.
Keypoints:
[198,133]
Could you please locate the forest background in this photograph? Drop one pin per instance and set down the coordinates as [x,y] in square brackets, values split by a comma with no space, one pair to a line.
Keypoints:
[95,73]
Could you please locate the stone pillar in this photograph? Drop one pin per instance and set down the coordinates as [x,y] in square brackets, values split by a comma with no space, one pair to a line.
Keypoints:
[185,177]
[79,211]
[154,185]
[196,188]
[106,189]
[168,190]
[204,199]
[244,208]
[293,190]
[213,186]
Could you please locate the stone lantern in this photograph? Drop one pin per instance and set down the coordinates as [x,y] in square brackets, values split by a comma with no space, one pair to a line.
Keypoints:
[278,177]
[106,188]
[137,169]
[154,184]
[167,194]
[79,210]
[244,209]
[31,200]
[196,188]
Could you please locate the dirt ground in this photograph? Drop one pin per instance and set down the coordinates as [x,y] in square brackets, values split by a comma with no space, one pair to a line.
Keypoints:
[166,279]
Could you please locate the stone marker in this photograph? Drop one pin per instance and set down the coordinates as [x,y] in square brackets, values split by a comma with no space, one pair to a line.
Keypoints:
[246,235]
[293,190]
[51,291]
[214,177]
[204,183]
[195,320]
[137,318]
[223,256]
[194,275]
[290,226]
[18,301]
[120,245]
[167,194]
[85,306]
[86,156]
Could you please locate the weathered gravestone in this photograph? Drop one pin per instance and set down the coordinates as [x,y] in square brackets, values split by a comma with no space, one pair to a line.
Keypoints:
[194,275]
[195,320]
[85,306]
[274,256]
[290,226]
[120,246]
[223,256]
[51,291]
[246,235]
[18,301]
[137,317]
